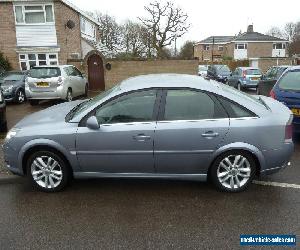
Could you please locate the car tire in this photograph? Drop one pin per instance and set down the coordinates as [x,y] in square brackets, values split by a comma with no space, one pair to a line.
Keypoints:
[69,96]
[20,96]
[3,127]
[233,171]
[48,171]
[257,91]
[239,87]
[34,102]
[86,90]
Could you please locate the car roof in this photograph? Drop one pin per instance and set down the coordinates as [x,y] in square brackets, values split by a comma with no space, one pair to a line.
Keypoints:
[168,80]
[294,67]
[248,68]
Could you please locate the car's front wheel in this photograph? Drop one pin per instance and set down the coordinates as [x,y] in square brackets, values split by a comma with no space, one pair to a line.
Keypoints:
[20,96]
[239,86]
[48,171]
[233,171]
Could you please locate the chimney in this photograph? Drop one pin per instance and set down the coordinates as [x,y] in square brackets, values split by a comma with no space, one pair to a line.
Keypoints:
[250,28]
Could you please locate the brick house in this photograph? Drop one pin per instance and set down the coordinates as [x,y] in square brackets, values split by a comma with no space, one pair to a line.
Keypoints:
[249,45]
[51,32]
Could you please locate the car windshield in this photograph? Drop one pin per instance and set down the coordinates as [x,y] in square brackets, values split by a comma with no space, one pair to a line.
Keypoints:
[83,106]
[44,72]
[290,81]
[223,69]
[253,72]
[13,77]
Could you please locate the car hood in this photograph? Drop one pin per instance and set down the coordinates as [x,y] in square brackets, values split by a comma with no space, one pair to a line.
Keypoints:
[10,83]
[54,114]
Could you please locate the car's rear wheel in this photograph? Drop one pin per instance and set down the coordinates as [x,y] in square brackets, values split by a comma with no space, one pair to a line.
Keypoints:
[69,95]
[86,90]
[233,171]
[20,96]
[48,171]
[34,102]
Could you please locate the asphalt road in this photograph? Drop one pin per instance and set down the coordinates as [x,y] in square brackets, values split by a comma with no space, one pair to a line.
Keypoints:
[144,214]
[137,214]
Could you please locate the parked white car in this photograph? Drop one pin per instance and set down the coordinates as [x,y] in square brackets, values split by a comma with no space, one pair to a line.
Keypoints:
[55,82]
[202,70]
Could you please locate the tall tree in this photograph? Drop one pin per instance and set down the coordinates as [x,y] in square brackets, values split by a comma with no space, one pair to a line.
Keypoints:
[110,31]
[275,31]
[166,23]
[187,50]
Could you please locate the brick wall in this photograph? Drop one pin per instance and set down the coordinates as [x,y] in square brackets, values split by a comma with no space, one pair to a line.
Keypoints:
[8,39]
[206,55]
[265,63]
[259,50]
[122,70]
[69,40]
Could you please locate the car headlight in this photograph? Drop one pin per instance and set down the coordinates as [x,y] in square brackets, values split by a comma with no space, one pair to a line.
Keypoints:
[7,88]
[12,133]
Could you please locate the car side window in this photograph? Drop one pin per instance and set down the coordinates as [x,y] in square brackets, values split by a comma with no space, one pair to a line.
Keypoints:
[133,107]
[76,72]
[235,110]
[191,105]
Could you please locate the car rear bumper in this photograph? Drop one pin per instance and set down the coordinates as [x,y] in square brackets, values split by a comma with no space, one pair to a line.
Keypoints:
[277,159]
[45,95]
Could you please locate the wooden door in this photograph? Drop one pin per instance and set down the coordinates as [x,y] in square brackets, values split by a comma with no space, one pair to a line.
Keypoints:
[96,73]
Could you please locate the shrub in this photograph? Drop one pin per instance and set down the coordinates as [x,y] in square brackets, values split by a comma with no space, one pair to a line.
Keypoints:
[4,63]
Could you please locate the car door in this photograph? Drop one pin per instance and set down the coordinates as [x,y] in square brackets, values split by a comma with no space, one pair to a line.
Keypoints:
[124,141]
[191,126]
[268,81]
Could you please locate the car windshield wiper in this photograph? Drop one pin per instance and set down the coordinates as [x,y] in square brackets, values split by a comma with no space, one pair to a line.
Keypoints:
[70,115]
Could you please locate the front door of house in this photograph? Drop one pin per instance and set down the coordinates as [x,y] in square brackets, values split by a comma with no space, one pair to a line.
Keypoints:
[96,73]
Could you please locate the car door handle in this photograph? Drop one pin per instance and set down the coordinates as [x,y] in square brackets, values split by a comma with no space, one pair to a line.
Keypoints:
[210,134]
[141,137]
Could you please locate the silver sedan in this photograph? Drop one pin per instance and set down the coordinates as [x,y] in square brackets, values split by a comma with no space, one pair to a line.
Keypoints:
[155,126]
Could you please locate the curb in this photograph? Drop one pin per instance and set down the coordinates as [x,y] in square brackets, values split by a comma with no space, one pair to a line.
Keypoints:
[10,179]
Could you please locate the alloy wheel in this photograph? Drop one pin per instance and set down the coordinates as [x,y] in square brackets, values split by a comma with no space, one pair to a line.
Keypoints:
[46,172]
[234,171]
[20,96]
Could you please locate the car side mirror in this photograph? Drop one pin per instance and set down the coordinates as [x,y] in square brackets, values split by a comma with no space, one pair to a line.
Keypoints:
[92,123]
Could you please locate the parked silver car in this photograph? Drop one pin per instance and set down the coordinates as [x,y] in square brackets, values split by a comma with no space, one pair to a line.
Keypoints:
[155,126]
[55,82]
[245,77]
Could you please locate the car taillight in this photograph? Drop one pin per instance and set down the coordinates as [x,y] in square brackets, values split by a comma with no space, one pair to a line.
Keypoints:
[60,80]
[289,129]
[272,94]
[244,73]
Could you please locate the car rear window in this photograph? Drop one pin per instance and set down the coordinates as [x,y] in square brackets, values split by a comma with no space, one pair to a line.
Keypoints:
[223,69]
[44,72]
[253,72]
[290,81]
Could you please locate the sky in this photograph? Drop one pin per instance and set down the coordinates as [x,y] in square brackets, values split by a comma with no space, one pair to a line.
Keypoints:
[207,18]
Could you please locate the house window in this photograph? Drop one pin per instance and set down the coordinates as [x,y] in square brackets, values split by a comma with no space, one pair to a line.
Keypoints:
[206,47]
[241,46]
[87,28]
[27,61]
[278,45]
[34,14]
[220,48]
